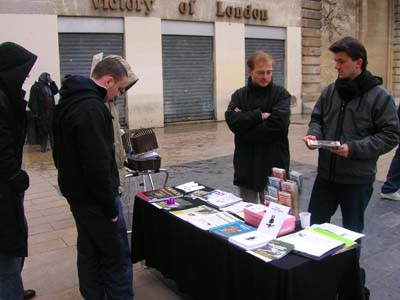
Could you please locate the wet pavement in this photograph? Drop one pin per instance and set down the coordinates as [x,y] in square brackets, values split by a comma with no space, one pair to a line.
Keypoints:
[201,152]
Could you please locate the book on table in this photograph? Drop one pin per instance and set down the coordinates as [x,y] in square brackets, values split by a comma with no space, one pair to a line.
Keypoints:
[207,221]
[312,244]
[274,249]
[160,194]
[189,187]
[230,229]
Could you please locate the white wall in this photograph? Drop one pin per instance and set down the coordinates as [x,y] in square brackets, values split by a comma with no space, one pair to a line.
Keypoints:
[293,66]
[38,34]
[229,64]
[144,53]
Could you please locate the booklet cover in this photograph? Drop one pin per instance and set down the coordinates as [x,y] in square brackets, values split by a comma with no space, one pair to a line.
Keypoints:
[273,219]
[250,240]
[275,249]
[189,187]
[231,229]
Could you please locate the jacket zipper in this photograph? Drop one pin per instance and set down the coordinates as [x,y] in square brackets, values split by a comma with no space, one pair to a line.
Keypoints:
[339,129]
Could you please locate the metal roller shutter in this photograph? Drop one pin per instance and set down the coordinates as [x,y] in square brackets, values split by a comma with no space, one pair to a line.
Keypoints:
[188,78]
[276,48]
[77,50]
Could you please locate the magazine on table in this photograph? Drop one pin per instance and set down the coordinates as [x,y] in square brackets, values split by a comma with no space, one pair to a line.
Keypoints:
[250,240]
[220,199]
[238,208]
[274,249]
[189,187]
[207,221]
[160,194]
[346,233]
[187,214]
[232,228]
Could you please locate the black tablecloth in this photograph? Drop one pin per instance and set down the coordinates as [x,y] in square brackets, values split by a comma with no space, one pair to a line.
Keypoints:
[206,266]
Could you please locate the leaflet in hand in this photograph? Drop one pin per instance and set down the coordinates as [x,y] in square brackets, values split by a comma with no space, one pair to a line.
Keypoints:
[323,144]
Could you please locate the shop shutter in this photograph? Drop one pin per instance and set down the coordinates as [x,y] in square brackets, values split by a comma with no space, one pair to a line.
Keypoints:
[276,48]
[77,50]
[188,78]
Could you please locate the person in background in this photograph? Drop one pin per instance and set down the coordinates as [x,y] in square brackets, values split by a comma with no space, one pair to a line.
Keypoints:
[390,189]
[120,155]
[88,178]
[41,103]
[258,115]
[15,64]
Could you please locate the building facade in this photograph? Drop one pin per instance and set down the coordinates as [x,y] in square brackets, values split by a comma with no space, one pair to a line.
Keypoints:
[190,55]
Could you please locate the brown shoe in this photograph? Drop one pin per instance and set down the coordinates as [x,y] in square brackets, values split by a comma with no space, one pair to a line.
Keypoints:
[29,294]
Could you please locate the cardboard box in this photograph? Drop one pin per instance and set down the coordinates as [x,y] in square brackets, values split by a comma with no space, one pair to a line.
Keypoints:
[253,216]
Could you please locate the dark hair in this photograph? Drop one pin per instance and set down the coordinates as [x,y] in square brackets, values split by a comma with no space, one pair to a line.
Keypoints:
[259,56]
[352,47]
[109,66]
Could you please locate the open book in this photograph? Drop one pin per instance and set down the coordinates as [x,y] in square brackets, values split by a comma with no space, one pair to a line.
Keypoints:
[275,249]
[312,244]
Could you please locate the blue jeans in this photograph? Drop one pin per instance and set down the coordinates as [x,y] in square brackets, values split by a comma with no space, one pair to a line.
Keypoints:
[104,262]
[352,198]
[11,287]
[392,183]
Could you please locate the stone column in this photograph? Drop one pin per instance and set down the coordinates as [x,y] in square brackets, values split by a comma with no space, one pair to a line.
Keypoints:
[396,48]
[311,53]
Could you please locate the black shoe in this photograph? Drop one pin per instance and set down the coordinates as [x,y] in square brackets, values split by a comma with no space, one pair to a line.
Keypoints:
[29,294]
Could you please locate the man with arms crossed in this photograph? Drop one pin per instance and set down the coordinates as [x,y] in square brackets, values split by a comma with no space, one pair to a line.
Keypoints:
[258,115]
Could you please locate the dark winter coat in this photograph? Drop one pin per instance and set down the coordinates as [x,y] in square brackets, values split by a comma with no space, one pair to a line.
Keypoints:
[15,64]
[84,146]
[361,114]
[260,144]
[41,104]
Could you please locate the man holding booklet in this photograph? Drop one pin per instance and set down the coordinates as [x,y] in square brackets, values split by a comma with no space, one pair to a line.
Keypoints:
[357,111]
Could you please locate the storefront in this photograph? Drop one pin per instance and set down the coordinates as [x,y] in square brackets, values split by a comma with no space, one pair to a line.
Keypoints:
[190,55]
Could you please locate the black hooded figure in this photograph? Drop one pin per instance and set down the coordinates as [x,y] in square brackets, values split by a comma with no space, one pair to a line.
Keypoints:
[41,103]
[15,65]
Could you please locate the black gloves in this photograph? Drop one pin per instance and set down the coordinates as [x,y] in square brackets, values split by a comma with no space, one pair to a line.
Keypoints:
[20,182]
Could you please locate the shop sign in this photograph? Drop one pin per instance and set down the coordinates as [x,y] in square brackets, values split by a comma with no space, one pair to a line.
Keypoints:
[247,12]
[136,5]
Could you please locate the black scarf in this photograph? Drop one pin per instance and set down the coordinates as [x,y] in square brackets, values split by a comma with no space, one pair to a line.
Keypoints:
[349,89]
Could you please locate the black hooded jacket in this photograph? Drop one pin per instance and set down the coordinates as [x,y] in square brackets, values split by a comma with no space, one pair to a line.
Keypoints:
[84,146]
[260,144]
[15,65]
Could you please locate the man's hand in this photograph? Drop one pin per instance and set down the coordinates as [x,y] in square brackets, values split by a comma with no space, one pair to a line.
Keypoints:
[114,220]
[265,115]
[342,151]
[309,137]
[237,109]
